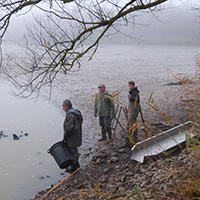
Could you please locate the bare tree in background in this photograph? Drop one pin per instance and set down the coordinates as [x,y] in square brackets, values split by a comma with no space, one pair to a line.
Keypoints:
[65,31]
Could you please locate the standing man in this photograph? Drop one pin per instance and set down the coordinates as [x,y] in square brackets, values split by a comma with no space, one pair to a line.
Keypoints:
[104,108]
[133,110]
[72,132]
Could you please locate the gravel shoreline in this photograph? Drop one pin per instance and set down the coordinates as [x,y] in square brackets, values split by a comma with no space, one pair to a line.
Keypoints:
[107,172]
[111,174]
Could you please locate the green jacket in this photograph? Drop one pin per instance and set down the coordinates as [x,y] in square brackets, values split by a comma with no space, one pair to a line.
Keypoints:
[104,105]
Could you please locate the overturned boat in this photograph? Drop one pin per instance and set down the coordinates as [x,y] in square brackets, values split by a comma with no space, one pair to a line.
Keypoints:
[162,142]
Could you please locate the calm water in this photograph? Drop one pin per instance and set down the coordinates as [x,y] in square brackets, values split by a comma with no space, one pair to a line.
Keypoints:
[25,166]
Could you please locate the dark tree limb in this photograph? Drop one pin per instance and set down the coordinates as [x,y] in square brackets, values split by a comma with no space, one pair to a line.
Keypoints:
[57,41]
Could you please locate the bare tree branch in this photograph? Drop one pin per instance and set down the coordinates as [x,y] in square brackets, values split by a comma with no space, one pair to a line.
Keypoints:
[63,35]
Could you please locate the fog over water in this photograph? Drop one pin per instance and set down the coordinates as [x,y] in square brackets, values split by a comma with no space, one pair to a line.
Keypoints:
[174,25]
[177,22]
[25,166]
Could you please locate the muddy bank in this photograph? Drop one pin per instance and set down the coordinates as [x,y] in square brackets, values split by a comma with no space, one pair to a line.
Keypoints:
[111,174]
[110,170]
[107,172]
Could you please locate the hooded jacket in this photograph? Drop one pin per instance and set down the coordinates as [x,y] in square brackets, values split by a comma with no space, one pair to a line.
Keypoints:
[135,98]
[73,128]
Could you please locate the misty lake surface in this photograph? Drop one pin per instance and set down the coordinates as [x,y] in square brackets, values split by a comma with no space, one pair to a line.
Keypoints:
[25,165]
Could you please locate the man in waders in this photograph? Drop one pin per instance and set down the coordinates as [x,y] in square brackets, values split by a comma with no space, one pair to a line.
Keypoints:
[72,132]
[133,111]
[104,108]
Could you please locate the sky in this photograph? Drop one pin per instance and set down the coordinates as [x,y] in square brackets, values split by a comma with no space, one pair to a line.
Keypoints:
[177,23]
[171,27]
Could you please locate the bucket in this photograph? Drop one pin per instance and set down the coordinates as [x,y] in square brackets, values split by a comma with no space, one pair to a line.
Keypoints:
[61,154]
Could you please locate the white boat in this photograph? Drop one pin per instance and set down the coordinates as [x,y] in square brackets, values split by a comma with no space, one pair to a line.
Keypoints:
[161,142]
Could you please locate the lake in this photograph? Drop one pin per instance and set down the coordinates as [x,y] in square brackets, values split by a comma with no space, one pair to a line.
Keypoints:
[25,165]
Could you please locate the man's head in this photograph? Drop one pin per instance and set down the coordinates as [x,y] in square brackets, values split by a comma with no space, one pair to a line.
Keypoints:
[131,85]
[102,88]
[66,105]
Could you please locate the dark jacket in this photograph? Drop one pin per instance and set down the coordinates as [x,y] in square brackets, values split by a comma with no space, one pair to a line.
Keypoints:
[73,128]
[134,96]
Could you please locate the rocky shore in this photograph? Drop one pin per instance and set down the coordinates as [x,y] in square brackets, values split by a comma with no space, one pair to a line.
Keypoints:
[111,174]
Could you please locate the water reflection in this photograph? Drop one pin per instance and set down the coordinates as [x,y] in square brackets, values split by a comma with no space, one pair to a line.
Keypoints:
[25,166]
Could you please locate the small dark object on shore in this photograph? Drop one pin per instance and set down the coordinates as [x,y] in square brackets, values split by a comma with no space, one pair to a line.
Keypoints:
[172,83]
[187,81]
[15,137]
[26,134]
[5,135]
[1,134]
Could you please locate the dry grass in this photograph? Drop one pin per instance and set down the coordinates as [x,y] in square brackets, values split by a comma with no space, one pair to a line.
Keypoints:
[189,188]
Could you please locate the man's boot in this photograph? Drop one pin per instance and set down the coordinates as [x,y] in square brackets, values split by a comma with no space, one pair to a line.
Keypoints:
[103,135]
[126,143]
[110,134]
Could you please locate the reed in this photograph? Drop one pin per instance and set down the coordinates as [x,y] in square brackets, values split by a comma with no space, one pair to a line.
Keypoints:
[189,187]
